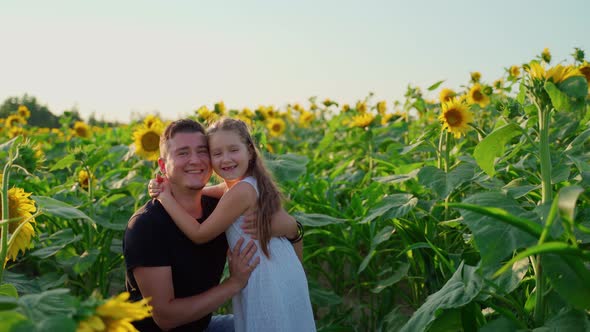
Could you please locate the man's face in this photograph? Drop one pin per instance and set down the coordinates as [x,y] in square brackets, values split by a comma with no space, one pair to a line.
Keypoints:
[187,164]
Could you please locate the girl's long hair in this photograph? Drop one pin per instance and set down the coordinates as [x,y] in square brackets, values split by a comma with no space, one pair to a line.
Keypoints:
[269,196]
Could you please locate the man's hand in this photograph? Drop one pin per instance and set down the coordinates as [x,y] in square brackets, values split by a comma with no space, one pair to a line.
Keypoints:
[240,266]
[249,225]
[281,224]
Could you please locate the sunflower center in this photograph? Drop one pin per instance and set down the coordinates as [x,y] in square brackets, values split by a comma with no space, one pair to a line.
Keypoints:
[477,95]
[276,127]
[82,132]
[150,141]
[453,117]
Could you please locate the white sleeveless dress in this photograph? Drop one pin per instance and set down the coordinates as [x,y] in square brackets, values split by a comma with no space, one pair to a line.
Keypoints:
[276,297]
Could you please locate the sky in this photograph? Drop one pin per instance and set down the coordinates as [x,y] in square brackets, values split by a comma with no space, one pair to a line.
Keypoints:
[116,58]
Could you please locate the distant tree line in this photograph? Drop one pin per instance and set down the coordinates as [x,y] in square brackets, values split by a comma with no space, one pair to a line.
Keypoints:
[41,116]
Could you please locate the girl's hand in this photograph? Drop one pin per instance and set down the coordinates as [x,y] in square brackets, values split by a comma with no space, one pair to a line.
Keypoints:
[165,190]
[155,187]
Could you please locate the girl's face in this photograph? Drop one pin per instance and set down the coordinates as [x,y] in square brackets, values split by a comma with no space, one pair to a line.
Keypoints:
[229,155]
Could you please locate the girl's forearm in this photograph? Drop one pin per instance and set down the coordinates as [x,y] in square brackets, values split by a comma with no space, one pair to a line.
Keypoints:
[182,219]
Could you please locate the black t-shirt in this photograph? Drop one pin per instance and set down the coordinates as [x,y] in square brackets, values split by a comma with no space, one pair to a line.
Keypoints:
[153,239]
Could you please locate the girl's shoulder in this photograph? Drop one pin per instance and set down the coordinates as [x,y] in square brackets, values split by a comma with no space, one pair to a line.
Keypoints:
[252,181]
[244,188]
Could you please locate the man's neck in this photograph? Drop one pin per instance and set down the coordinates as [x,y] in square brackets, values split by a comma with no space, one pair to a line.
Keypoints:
[190,200]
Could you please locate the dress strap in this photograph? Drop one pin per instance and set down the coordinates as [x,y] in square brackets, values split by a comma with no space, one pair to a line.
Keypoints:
[252,181]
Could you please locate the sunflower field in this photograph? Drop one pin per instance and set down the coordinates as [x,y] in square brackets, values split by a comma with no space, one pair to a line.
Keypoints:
[455,209]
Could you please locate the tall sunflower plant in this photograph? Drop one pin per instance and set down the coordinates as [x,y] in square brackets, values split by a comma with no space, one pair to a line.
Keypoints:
[529,220]
[543,242]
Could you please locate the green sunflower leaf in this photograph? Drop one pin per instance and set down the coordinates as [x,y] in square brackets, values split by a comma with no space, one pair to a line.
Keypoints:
[558,98]
[493,145]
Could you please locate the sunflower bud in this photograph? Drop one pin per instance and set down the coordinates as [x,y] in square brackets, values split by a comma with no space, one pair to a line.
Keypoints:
[578,54]
[546,55]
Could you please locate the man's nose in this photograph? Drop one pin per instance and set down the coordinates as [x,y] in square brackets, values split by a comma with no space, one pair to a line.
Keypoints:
[195,158]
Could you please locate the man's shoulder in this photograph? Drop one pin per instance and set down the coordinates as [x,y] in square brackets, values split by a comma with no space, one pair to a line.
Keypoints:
[151,215]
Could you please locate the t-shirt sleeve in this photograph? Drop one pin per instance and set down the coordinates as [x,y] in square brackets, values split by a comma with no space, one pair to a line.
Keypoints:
[143,243]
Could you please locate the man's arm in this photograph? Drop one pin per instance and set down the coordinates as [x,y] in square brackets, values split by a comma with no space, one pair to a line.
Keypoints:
[169,312]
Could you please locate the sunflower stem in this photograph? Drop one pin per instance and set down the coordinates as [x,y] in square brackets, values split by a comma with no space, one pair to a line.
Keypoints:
[440,148]
[546,196]
[370,151]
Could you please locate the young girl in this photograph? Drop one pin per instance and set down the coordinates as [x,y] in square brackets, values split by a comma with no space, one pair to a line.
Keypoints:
[276,297]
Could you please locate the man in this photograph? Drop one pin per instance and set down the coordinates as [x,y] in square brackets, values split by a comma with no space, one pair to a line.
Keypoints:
[182,278]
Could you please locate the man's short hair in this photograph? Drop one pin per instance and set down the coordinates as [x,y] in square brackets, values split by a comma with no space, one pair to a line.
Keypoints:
[179,126]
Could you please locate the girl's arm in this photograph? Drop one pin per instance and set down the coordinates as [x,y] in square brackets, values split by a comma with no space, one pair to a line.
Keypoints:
[233,204]
[215,191]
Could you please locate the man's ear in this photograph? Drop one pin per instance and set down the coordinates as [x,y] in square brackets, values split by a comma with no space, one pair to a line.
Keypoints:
[162,165]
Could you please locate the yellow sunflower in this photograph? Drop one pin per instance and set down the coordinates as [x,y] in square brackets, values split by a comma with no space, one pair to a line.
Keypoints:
[57,132]
[556,74]
[276,126]
[220,108]
[305,118]
[298,108]
[147,142]
[362,120]
[477,96]
[267,112]
[475,76]
[345,108]
[455,117]
[16,131]
[546,55]
[22,207]
[14,120]
[514,71]
[116,314]
[84,179]
[381,107]
[206,114]
[23,111]
[560,73]
[152,120]
[446,94]
[361,107]
[245,119]
[81,129]
[247,113]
